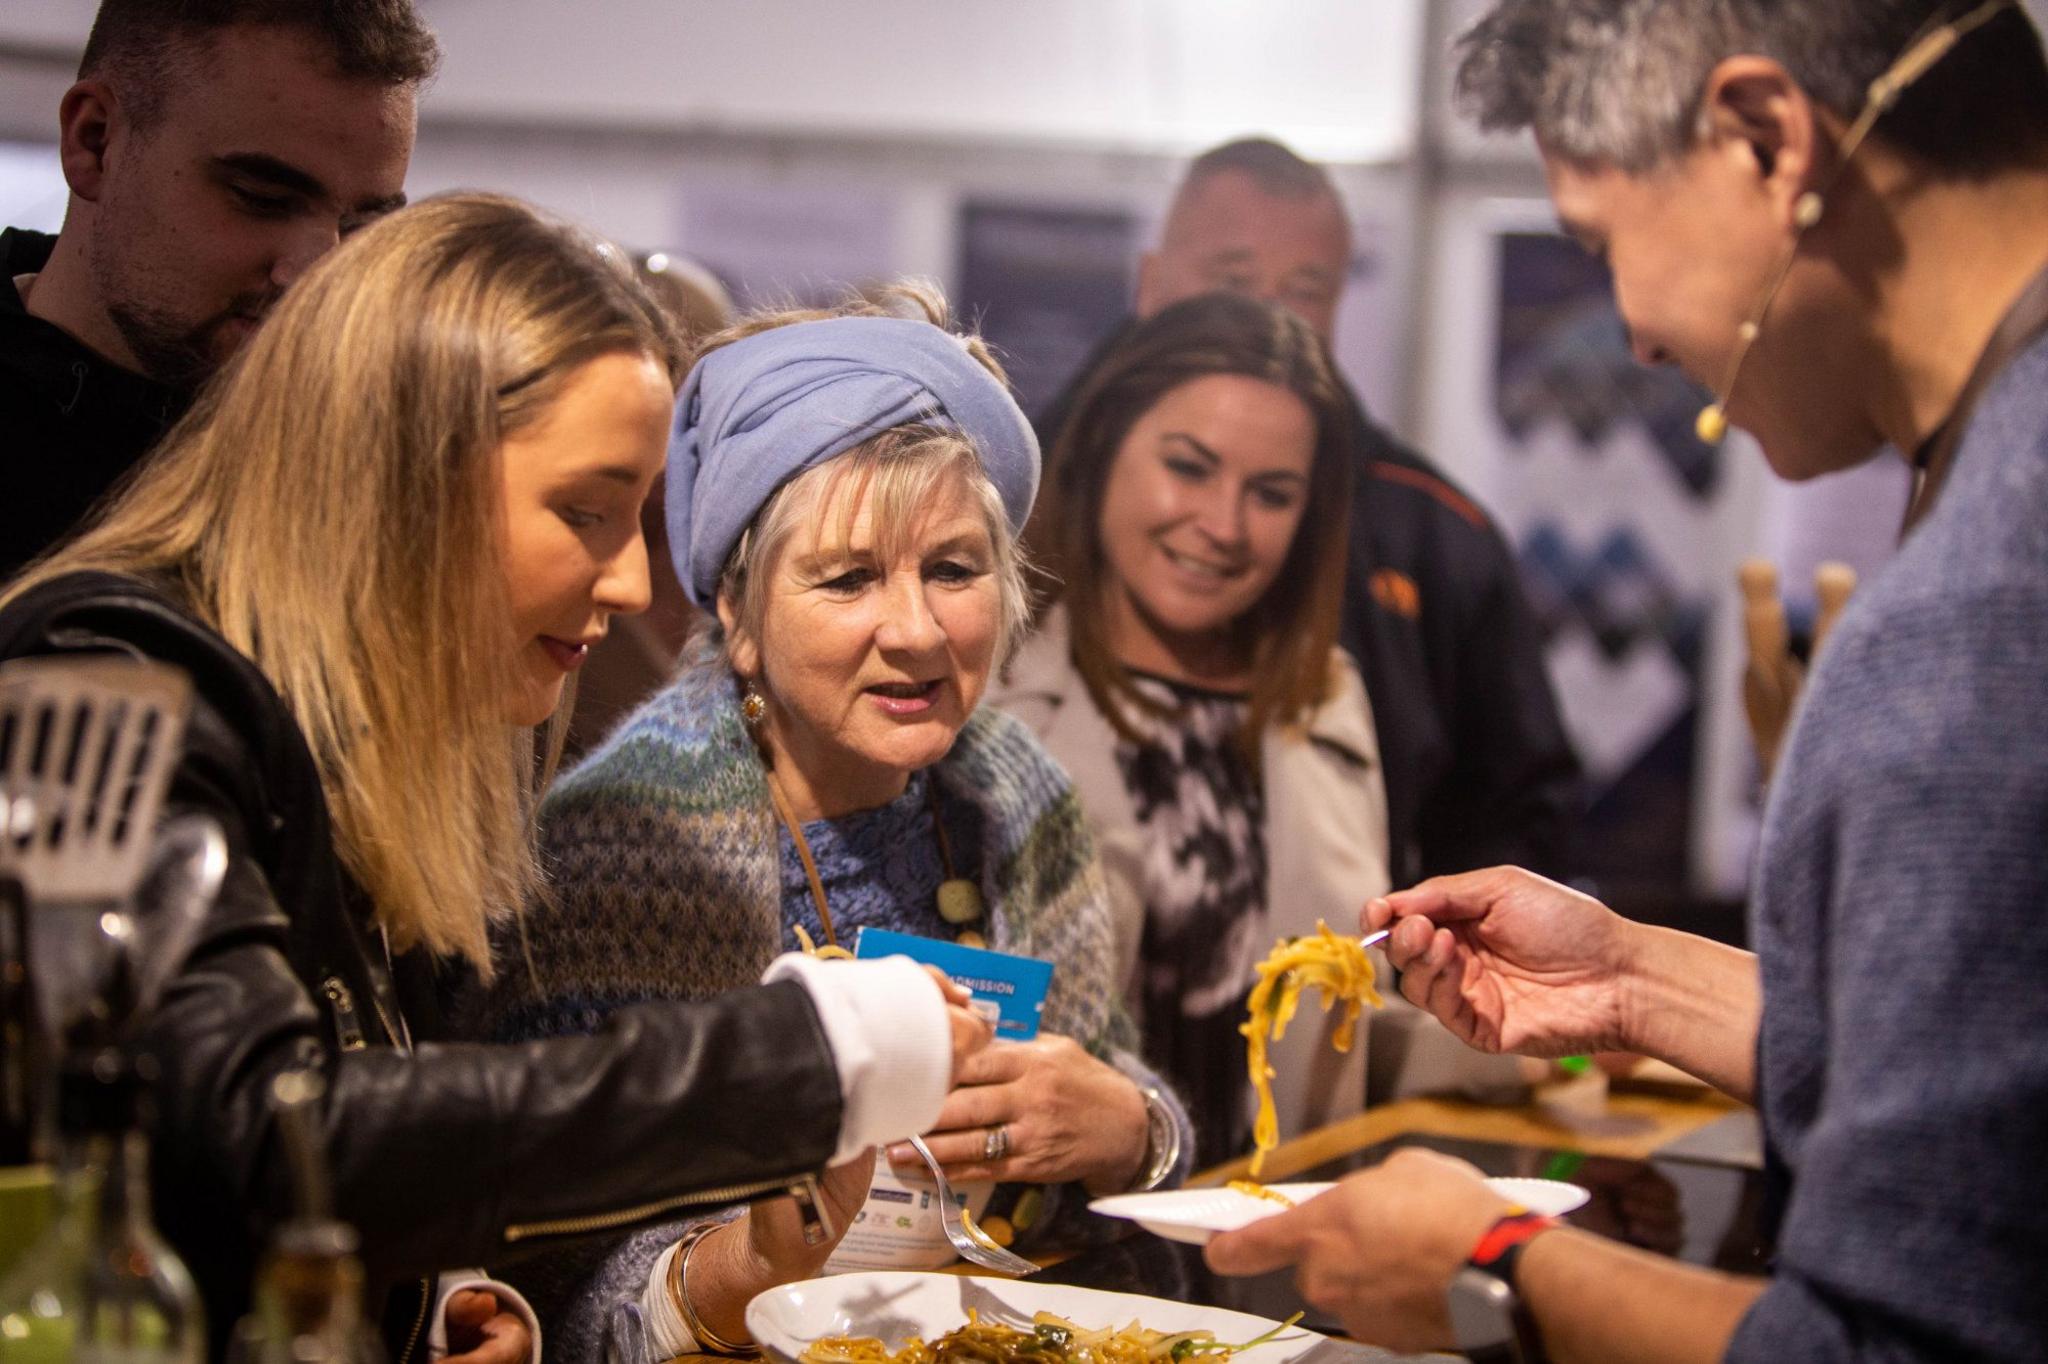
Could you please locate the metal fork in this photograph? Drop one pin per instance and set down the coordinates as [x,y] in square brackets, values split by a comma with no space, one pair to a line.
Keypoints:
[987,1254]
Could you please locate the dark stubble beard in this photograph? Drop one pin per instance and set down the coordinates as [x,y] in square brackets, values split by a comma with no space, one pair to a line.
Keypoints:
[168,348]
[177,354]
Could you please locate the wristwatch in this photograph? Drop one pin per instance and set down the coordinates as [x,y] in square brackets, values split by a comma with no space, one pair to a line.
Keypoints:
[1483,1312]
[1162,1142]
[1488,1321]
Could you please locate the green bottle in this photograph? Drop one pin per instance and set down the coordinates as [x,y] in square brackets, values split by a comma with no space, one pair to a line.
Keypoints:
[100,1286]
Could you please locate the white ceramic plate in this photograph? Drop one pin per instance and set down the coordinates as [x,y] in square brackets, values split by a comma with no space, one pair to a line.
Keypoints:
[896,1306]
[1195,1215]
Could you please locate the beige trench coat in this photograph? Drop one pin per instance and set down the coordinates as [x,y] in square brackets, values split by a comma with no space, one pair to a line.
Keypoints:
[1326,840]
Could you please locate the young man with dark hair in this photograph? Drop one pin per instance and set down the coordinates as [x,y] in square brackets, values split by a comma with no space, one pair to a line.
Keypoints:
[1473,753]
[213,149]
[1836,214]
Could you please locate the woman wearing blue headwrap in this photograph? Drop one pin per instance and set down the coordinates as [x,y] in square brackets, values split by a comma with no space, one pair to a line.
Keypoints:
[844,492]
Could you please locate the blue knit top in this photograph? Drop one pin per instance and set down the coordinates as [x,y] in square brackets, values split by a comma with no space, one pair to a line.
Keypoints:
[881,868]
[672,878]
[1900,917]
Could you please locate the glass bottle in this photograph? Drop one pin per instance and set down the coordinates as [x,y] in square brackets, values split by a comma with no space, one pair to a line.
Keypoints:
[308,1305]
[42,1295]
[21,1098]
[101,1286]
[26,1126]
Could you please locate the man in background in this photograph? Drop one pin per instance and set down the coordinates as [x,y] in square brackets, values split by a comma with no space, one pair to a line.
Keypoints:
[1476,764]
[214,149]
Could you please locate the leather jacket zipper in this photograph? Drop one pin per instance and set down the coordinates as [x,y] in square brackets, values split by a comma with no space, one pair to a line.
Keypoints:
[810,1203]
[419,1322]
[347,1026]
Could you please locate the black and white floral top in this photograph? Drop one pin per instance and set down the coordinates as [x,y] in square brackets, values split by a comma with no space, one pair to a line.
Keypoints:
[1201,817]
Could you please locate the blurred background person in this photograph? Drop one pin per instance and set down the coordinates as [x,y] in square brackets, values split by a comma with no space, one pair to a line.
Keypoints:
[844,490]
[1474,758]
[1185,670]
[380,545]
[212,153]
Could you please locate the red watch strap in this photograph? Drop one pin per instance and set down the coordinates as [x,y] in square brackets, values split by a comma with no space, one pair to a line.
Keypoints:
[1496,1254]
[1505,1235]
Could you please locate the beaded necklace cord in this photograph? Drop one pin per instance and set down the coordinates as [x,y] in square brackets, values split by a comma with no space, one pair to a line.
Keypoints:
[959,900]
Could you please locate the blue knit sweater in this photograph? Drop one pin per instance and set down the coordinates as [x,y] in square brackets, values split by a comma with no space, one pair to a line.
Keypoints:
[672,880]
[1901,917]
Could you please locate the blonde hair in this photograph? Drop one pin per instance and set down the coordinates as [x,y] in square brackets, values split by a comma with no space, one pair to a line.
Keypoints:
[332,507]
[896,474]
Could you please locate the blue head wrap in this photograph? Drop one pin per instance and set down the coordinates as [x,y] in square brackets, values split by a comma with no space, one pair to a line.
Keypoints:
[756,413]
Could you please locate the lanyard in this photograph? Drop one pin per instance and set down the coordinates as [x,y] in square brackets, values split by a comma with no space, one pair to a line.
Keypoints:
[2025,320]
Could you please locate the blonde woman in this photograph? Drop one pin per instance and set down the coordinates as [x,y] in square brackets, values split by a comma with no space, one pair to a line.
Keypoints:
[381,544]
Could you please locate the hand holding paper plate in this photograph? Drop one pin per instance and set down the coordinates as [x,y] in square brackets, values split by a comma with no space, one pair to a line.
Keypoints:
[1194,1215]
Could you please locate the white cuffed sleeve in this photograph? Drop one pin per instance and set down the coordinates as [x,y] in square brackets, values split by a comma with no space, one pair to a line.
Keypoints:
[667,1332]
[886,1023]
[510,1299]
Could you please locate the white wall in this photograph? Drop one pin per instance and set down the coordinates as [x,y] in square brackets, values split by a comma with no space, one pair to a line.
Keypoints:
[615,112]
[1336,77]
[55,23]
[641,189]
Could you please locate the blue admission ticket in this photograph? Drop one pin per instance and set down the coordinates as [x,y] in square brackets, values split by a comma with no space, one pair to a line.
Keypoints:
[1014,986]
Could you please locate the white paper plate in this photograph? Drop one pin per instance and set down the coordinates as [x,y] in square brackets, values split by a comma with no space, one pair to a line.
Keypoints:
[896,1306]
[1195,1215]
[1551,1197]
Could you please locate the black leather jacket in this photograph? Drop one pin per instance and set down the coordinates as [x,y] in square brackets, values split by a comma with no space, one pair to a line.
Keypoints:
[1478,769]
[444,1154]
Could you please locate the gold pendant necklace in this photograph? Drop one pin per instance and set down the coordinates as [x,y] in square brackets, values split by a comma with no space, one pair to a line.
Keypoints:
[959,899]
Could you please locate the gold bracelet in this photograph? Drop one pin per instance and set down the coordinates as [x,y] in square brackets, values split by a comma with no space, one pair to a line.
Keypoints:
[707,1339]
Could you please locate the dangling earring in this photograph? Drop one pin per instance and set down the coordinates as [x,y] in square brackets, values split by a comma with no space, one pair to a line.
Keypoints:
[753,705]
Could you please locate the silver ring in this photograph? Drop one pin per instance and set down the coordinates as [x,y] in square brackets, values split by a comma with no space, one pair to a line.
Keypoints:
[996,1144]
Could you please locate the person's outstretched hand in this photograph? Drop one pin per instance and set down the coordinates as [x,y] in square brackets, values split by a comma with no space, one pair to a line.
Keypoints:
[1511,962]
[1063,1114]
[1379,1250]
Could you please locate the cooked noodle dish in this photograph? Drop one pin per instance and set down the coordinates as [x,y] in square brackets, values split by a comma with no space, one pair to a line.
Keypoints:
[1050,1339]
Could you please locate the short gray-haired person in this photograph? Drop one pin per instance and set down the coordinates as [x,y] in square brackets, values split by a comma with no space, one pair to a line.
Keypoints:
[1836,215]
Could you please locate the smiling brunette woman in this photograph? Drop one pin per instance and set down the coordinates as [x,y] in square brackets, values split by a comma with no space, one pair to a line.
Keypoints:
[379,544]
[1186,675]
[843,490]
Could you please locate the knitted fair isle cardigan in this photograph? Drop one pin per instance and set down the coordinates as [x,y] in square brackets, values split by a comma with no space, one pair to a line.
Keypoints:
[663,850]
